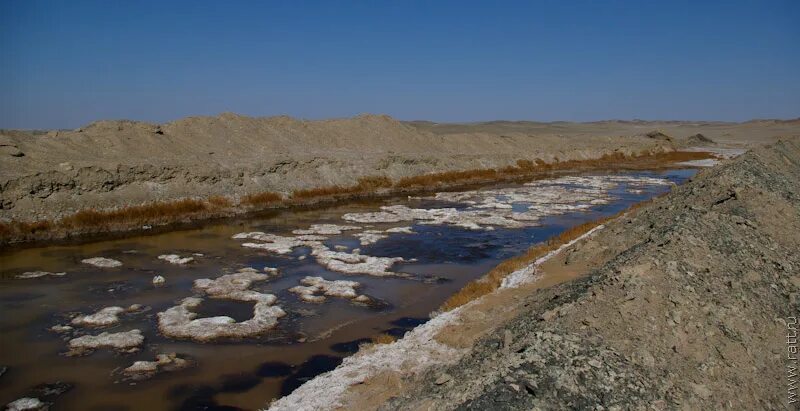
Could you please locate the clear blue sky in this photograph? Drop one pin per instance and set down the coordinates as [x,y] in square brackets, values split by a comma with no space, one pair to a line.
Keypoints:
[67,63]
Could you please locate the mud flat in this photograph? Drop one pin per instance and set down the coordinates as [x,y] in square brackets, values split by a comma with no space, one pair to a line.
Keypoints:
[682,303]
[196,168]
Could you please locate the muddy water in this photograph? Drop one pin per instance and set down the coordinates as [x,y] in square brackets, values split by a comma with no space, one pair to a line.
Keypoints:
[245,373]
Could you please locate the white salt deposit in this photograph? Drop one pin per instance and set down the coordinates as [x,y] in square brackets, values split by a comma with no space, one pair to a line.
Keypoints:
[348,263]
[235,287]
[402,230]
[163,363]
[127,341]
[102,262]
[104,317]
[529,273]
[708,162]
[368,237]
[353,263]
[417,351]
[326,229]
[38,274]
[513,207]
[175,259]
[27,404]
[181,322]
[372,236]
[59,328]
[277,244]
[315,289]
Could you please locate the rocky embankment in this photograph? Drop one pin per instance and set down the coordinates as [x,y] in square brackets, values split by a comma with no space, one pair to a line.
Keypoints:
[681,304]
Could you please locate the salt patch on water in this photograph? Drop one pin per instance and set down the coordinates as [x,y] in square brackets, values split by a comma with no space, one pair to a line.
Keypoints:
[127,341]
[103,317]
[102,262]
[404,230]
[368,237]
[181,321]
[326,229]
[140,370]
[353,263]
[175,259]
[27,404]
[315,289]
[38,274]
[486,209]
[341,261]
[278,244]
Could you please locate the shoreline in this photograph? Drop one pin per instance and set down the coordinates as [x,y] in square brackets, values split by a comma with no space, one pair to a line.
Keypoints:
[93,225]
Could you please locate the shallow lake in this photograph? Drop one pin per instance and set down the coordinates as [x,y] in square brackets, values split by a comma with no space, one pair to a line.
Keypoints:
[408,258]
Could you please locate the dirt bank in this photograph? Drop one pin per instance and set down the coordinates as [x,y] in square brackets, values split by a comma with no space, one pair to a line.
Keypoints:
[110,165]
[682,303]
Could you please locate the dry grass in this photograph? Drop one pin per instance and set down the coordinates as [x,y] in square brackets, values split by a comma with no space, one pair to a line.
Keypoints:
[365,185]
[494,278]
[434,179]
[220,202]
[373,183]
[144,214]
[262,199]
[15,228]
[93,220]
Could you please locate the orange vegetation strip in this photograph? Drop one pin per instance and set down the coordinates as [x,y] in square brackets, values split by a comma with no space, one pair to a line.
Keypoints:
[127,218]
[494,278]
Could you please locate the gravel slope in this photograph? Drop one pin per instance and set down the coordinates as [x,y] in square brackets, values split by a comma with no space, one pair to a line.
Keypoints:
[686,308]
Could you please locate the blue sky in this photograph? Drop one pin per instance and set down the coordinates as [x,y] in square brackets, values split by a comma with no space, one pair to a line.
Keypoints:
[67,63]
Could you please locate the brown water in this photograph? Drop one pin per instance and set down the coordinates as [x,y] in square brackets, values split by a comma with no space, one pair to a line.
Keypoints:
[244,374]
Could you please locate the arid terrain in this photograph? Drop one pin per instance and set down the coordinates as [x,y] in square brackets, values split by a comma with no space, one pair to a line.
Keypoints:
[639,289]
[681,304]
[230,159]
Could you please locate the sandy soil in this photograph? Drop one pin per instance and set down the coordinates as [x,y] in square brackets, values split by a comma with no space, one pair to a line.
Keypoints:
[108,164]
